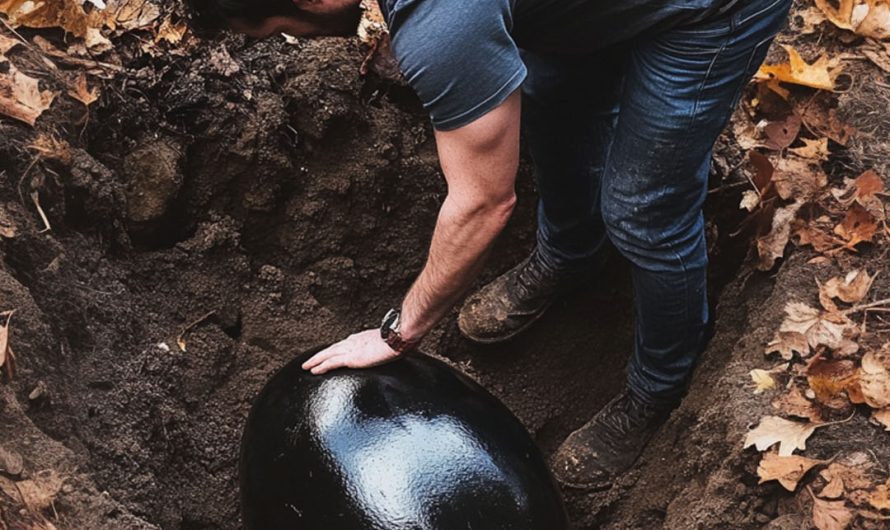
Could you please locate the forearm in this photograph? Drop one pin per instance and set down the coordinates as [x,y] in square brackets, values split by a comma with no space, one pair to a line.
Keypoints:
[464,233]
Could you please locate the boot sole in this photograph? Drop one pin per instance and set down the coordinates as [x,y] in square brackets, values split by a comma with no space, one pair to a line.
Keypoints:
[505,338]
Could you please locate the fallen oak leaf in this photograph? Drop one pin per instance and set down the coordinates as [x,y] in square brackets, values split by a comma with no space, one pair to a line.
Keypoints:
[815,149]
[787,470]
[7,44]
[790,435]
[875,22]
[170,31]
[811,233]
[830,379]
[81,92]
[880,497]
[21,97]
[782,134]
[820,74]
[874,378]
[851,288]
[830,515]
[786,343]
[798,178]
[772,246]
[40,492]
[794,403]
[763,380]
[863,190]
[821,328]
[858,226]
[6,356]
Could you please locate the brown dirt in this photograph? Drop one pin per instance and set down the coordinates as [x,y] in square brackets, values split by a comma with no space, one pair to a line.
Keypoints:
[265,198]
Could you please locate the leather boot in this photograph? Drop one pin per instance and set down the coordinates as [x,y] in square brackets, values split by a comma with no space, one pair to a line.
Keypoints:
[512,302]
[609,444]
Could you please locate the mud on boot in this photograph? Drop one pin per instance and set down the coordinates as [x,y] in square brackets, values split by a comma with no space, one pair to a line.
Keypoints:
[513,301]
[608,445]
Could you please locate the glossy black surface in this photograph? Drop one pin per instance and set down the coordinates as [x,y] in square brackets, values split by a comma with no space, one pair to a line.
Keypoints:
[413,445]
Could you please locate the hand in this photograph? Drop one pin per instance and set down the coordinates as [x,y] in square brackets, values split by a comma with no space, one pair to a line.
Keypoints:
[362,350]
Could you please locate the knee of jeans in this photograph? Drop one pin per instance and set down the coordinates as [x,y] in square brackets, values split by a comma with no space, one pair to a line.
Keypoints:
[656,244]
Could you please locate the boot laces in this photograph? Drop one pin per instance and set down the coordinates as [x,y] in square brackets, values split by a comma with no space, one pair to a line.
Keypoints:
[532,276]
[625,415]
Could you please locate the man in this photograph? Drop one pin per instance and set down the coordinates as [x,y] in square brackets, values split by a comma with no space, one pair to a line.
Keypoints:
[621,103]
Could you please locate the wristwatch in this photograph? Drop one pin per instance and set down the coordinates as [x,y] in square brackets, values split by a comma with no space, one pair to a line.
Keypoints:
[389,331]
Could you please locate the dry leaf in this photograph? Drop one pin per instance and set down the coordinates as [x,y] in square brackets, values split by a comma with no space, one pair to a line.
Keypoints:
[786,343]
[4,337]
[750,200]
[874,379]
[70,16]
[129,14]
[815,149]
[763,380]
[831,379]
[858,226]
[51,148]
[869,18]
[66,14]
[811,233]
[81,92]
[781,134]
[880,497]
[833,490]
[878,57]
[170,31]
[821,328]
[864,191]
[798,178]
[794,403]
[21,97]
[851,289]
[883,417]
[372,27]
[831,515]
[40,492]
[7,44]
[787,470]
[824,121]
[772,246]
[790,435]
[821,74]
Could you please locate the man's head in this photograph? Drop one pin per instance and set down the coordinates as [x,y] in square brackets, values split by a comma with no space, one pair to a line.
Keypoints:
[261,18]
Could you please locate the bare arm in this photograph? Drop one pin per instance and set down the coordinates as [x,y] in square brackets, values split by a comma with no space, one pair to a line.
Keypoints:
[480,161]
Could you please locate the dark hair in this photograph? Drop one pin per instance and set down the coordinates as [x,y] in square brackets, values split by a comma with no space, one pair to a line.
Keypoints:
[214,14]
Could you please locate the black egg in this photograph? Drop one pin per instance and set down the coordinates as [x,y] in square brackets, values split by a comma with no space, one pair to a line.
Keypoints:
[412,445]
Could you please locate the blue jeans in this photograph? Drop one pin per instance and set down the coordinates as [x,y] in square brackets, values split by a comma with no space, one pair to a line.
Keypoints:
[622,144]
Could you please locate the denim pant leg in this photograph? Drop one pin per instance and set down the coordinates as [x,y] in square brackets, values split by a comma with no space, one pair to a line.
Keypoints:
[680,89]
[569,109]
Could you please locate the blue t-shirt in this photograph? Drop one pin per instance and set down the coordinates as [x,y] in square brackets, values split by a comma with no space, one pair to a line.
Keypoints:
[462,56]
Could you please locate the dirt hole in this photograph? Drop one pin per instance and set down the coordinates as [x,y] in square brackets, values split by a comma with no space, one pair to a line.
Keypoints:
[255,217]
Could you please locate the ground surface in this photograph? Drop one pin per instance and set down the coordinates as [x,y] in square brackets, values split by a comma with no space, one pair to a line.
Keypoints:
[250,200]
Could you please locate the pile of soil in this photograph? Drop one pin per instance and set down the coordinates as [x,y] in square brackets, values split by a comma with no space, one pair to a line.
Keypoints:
[219,212]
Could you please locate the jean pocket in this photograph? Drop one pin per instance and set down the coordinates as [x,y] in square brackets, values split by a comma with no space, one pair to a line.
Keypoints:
[683,43]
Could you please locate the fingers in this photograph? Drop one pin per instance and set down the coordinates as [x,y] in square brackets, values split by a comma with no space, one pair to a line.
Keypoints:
[330,364]
[321,357]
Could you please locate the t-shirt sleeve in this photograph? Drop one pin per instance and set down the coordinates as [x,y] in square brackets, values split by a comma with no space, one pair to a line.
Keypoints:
[458,56]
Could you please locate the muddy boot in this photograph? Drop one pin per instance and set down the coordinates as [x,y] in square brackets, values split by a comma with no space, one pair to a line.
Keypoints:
[512,302]
[608,445]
